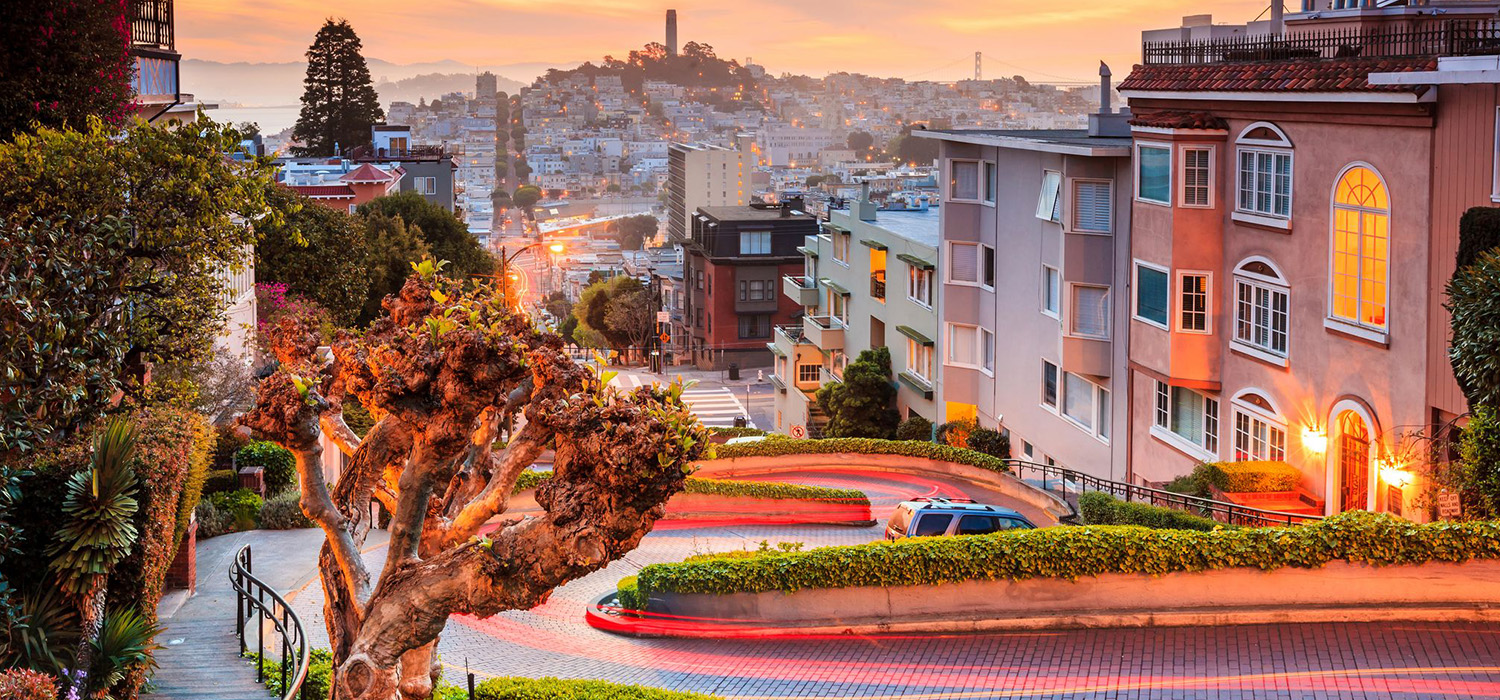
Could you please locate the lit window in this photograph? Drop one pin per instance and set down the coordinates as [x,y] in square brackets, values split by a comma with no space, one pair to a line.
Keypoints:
[1197,177]
[1154,174]
[1256,439]
[963,180]
[1361,248]
[1092,206]
[1089,316]
[1193,295]
[1188,415]
[919,359]
[1260,308]
[919,285]
[1051,290]
[1152,294]
[1049,203]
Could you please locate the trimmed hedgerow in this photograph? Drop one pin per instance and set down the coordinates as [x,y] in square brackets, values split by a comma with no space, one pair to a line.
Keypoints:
[629,595]
[1099,508]
[554,689]
[1252,477]
[1073,552]
[745,489]
[776,446]
[732,432]
[283,511]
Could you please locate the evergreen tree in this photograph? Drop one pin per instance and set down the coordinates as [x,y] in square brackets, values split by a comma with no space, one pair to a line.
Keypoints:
[863,405]
[339,104]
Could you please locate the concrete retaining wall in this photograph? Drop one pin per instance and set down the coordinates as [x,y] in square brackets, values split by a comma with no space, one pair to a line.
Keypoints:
[1338,592]
[1006,484]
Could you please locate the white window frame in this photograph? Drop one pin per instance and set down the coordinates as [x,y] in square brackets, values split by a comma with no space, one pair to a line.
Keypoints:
[989,182]
[989,265]
[1355,326]
[1135,293]
[1495,157]
[1208,301]
[1281,145]
[755,238]
[918,278]
[1072,218]
[978,265]
[1136,176]
[1052,288]
[977,349]
[953,181]
[1213,163]
[1239,406]
[1272,286]
[1069,329]
[986,351]
[815,376]
[1163,430]
[1057,386]
[1049,201]
[842,241]
[918,356]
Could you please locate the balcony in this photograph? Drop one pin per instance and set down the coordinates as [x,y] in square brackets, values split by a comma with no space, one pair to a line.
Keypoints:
[826,332]
[803,290]
[151,25]
[1452,37]
[785,340]
[826,376]
[877,287]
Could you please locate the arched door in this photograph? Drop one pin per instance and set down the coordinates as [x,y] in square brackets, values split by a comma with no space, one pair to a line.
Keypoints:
[1354,462]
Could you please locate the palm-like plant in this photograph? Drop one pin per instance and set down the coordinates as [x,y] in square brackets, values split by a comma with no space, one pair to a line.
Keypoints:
[99,531]
[126,640]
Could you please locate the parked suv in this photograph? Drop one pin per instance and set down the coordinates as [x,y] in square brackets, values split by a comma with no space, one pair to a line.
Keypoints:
[924,517]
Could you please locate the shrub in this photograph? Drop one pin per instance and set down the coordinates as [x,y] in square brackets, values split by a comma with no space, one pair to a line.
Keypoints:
[1194,484]
[1478,233]
[1099,508]
[736,432]
[227,440]
[955,433]
[1252,477]
[212,522]
[220,480]
[1476,475]
[243,506]
[746,489]
[283,512]
[991,442]
[24,684]
[777,446]
[554,689]
[1069,553]
[914,428]
[279,464]
[319,673]
[629,594]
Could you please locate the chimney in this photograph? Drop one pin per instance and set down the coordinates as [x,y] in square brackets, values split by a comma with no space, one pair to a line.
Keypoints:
[1278,23]
[1104,86]
[1107,122]
[864,208]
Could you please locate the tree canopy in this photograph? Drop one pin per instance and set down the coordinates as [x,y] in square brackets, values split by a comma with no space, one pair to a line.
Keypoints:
[318,252]
[64,61]
[391,247]
[863,404]
[445,234]
[633,231]
[118,248]
[339,104]
[612,309]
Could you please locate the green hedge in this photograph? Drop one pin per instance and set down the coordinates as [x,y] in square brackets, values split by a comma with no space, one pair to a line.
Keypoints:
[1252,477]
[777,446]
[736,432]
[746,489]
[554,689]
[278,463]
[629,594]
[220,480]
[1099,508]
[1074,552]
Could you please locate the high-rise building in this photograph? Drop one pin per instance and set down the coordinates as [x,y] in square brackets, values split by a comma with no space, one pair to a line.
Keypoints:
[486,86]
[671,32]
[702,175]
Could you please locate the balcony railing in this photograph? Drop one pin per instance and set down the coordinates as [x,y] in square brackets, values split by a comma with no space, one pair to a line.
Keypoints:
[877,287]
[1454,37]
[151,24]
[801,289]
[793,333]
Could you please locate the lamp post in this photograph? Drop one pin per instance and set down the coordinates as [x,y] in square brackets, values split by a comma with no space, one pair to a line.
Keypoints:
[507,258]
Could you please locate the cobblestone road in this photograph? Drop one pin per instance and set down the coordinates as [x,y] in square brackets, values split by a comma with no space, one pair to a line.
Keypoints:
[1267,661]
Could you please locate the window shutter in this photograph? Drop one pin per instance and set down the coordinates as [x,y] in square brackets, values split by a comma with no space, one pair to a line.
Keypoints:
[1091,311]
[1091,207]
[963,264]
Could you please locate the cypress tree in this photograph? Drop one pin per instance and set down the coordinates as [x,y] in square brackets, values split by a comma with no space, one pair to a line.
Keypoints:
[339,103]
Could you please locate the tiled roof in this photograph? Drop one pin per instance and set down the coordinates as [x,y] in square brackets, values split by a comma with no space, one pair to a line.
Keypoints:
[1174,119]
[1322,75]
[330,191]
[367,174]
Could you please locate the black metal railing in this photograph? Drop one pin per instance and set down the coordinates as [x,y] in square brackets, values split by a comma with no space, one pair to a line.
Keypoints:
[1455,37]
[1068,482]
[793,332]
[151,24]
[259,603]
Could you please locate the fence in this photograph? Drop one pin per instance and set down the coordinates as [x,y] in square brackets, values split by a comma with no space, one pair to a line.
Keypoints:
[1428,38]
[257,602]
[1066,482]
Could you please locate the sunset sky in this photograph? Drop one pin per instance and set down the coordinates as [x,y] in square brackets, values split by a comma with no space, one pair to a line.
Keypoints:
[934,39]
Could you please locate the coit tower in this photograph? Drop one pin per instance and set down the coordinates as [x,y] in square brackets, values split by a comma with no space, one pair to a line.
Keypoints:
[671,32]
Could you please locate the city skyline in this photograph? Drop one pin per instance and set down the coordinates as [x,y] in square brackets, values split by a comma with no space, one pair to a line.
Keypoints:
[883,38]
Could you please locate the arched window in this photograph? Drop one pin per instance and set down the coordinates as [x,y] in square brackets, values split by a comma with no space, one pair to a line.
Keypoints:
[1361,249]
[1264,172]
[1259,429]
[1260,309]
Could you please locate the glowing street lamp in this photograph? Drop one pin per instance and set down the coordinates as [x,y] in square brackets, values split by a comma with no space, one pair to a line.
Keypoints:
[1315,439]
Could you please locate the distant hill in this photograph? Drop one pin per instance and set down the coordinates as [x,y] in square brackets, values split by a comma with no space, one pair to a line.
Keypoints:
[271,84]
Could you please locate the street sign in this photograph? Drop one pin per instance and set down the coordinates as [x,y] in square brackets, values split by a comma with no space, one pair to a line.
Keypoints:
[663,317]
[1449,505]
[666,337]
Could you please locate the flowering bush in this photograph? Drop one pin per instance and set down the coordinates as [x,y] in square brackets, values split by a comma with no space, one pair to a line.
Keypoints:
[24,684]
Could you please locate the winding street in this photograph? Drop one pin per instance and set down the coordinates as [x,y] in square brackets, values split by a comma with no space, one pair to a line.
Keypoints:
[1283,661]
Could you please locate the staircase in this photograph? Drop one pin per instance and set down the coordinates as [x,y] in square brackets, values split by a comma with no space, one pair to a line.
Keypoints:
[817,420]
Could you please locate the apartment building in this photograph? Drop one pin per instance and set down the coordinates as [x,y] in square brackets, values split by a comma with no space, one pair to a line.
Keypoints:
[1035,242]
[702,175]
[732,267]
[428,170]
[1294,224]
[867,281]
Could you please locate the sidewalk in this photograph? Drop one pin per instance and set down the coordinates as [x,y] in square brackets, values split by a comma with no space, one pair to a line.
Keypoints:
[200,658]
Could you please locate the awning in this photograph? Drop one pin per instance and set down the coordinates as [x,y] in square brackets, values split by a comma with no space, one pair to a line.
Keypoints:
[915,261]
[871,243]
[833,286]
[918,385]
[914,334]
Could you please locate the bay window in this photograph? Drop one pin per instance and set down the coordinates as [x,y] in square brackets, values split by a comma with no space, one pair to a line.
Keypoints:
[1187,415]
[1089,316]
[1153,173]
[963,180]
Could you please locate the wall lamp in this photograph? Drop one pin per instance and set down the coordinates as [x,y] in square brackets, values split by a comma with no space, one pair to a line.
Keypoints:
[1315,439]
